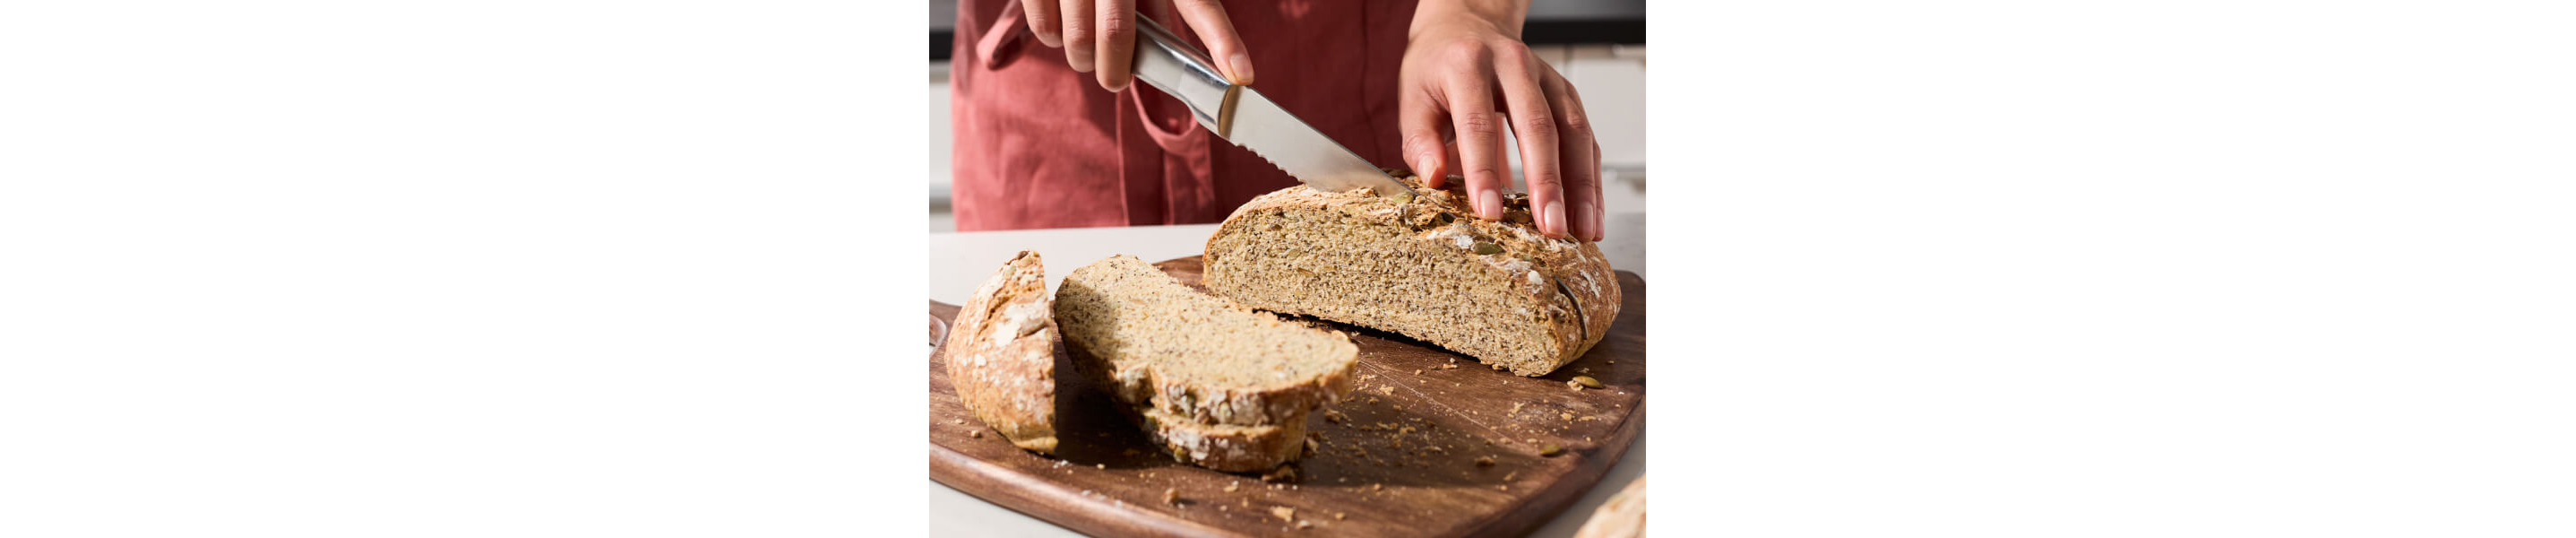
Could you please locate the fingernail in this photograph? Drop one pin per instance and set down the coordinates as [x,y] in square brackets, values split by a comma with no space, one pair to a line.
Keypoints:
[1489,204]
[1242,68]
[1590,215]
[1552,220]
[1422,165]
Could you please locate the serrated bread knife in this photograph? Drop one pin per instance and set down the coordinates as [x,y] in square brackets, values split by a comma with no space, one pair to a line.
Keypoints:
[1242,116]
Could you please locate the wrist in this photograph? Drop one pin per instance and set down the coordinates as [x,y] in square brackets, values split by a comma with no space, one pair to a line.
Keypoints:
[1504,16]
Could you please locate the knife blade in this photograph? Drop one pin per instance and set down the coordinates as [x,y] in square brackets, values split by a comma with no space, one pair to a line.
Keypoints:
[1244,117]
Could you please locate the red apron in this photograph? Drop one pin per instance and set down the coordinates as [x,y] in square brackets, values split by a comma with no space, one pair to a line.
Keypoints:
[1041,146]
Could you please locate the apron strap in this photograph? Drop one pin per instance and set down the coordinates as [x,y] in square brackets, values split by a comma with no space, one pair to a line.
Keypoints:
[1002,40]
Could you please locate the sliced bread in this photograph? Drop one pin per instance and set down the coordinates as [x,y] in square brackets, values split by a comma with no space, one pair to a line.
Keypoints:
[1001,354]
[1423,266]
[1225,447]
[1158,344]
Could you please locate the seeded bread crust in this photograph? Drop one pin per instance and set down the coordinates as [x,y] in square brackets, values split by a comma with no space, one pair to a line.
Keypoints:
[1001,354]
[1144,336]
[1425,267]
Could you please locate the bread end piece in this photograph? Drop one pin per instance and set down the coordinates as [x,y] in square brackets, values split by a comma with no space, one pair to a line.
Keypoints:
[1001,354]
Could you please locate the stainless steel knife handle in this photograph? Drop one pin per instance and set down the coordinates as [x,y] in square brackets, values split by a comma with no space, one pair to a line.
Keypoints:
[1168,63]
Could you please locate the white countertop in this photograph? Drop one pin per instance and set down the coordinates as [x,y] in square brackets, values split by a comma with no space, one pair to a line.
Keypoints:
[961,261]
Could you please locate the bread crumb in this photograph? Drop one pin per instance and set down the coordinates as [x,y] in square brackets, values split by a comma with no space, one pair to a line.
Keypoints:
[1172,496]
[1417,371]
[1281,474]
[1341,515]
[1507,477]
[1484,461]
[957,421]
[1101,466]
[1375,487]
[1304,524]
[1335,417]
[978,434]
[1569,417]
[1570,384]
[1229,487]
[1386,389]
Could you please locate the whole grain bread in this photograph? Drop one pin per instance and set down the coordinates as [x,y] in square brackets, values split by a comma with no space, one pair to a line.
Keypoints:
[1001,354]
[1155,343]
[1422,266]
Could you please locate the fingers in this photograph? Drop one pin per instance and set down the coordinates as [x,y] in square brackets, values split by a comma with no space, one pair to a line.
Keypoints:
[1043,21]
[1115,26]
[1424,124]
[1480,136]
[1534,126]
[1079,39]
[1207,19]
[1578,155]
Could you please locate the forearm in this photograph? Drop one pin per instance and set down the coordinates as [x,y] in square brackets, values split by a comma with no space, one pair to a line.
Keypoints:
[1505,15]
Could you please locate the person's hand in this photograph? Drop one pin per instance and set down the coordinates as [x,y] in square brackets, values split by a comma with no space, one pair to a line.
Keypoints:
[1099,36]
[1465,72]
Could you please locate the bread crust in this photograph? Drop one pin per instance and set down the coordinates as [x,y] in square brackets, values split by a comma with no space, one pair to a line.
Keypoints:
[1564,289]
[1001,354]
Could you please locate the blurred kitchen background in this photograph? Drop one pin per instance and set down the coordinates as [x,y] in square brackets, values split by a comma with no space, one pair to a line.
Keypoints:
[1599,45]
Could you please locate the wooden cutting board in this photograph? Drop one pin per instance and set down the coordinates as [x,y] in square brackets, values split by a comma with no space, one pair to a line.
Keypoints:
[1403,463]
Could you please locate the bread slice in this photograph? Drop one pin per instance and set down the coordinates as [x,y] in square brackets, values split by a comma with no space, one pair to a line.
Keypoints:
[1001,354]
[1422,266]
[1153,342]
[1229,448]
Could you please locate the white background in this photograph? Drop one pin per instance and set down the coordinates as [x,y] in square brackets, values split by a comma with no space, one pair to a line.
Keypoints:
[614,268]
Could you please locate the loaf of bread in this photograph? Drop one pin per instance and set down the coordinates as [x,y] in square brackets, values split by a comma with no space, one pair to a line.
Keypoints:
[1001,354]
[1423,266]
[1219,384]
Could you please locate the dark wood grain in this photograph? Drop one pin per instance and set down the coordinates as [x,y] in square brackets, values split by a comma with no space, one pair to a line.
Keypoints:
[1404,463]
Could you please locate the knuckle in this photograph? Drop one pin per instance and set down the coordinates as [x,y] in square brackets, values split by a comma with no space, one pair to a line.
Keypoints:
[1420,141]
[1546,179]
[1478,123]
[1466,53]
[1577,125]
[1114,27]
[1537,126]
